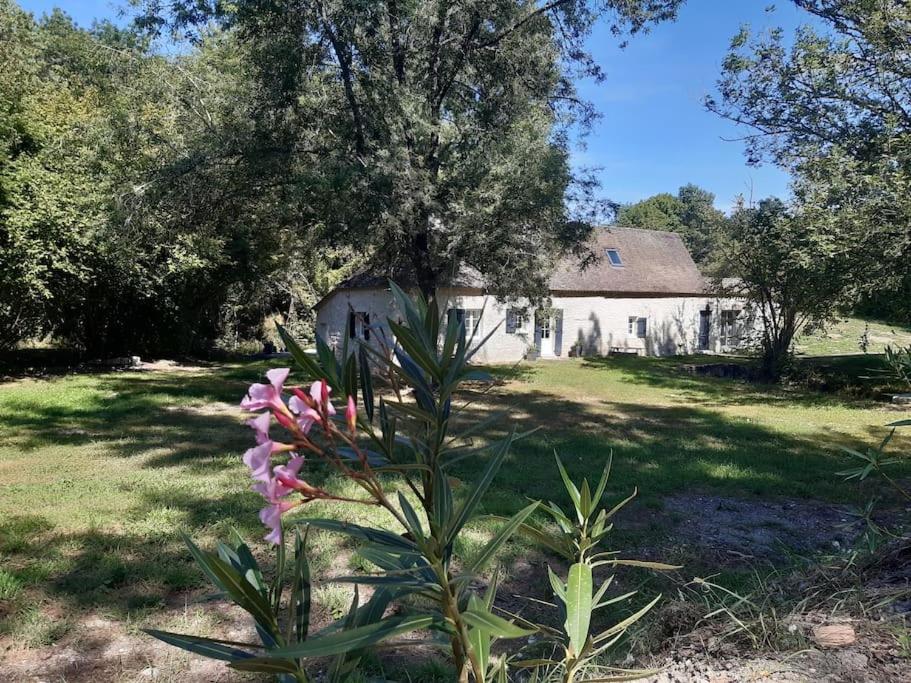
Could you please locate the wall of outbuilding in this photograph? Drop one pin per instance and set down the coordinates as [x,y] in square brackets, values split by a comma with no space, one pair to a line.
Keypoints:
[591,325]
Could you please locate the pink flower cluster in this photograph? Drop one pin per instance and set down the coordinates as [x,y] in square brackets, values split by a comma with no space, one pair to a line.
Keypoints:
[277,482]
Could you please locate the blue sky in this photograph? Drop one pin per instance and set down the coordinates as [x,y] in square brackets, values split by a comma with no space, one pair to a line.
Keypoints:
[654,134]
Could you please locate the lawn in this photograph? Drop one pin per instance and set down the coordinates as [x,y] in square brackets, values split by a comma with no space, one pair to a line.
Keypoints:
[845,336]
[98,472]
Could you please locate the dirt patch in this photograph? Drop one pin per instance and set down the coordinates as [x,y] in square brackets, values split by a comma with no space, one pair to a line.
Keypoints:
[169,366]
[731,529]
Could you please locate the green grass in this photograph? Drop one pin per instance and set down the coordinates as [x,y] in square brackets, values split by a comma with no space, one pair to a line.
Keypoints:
[99,472]
[845,337]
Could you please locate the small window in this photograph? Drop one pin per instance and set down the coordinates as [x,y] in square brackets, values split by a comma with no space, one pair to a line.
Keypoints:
[638,327]
[359,325]
[470,316]
[613,255]
[730,328]
[516,321]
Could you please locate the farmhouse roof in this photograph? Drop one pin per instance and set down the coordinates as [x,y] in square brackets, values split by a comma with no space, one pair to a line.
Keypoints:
[648,262]
[645,262]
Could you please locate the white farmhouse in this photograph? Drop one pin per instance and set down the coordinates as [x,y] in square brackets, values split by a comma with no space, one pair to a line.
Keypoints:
[643,295]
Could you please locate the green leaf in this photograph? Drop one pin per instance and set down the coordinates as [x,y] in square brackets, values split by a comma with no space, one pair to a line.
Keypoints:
[602,483]
[252,572]
[585,500]
[356,638]
[442,499]
[489,550]
[310,367]
[556,584]
[578,605]
[568,483]
[349,376]
[558,544]
[201,560]
[301,593]
[414,522]
[480,618]
[366,382]
[479,637]
[236,586]
[660,566]
[265,665]
[223,650]
[900,423]
[466,510]
[626,623]
[362,533]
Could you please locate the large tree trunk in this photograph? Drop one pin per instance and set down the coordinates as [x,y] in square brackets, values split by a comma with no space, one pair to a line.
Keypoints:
[426,275]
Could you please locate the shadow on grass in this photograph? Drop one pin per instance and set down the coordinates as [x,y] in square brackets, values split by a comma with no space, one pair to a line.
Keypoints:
[661,449]
[670,373]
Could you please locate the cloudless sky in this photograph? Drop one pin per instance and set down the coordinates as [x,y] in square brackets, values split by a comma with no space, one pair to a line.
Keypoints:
[654,134]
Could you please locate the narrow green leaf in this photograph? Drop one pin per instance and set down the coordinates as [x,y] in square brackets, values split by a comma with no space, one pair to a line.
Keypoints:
[202,561]
[302,591]
[223,650]
[481,618]
[265,665]
[310,367]
[568,483]
[414,522]
[556,584]
[466,510]
[362,533]
[366,382]
[479,638]
[489,550]
[578,605]
[602,483]
[353,639]
[585,500]
[442,499]
[626,623]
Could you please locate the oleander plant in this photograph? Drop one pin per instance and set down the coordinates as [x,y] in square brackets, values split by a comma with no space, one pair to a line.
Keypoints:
[384,417]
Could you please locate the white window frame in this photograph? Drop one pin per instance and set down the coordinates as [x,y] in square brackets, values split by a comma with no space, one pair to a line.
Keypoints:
[730,327]
[634,322]
[610,260]
[471,318]
[516,321]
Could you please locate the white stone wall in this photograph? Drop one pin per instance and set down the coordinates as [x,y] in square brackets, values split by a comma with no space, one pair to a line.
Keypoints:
[591,325]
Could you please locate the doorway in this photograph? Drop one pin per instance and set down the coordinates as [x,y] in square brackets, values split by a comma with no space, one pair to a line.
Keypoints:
[705,326]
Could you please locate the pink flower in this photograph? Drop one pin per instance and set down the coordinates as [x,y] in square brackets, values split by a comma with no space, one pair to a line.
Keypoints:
[259,459]
[289,472]
[260,426]
[267,396]
[351,415]
[319,392]
[271,516]
[306,415]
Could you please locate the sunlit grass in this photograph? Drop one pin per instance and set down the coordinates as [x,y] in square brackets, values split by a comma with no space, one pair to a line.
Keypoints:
[98,473]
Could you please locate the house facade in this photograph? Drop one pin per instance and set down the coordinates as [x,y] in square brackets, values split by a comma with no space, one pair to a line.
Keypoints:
[643,294]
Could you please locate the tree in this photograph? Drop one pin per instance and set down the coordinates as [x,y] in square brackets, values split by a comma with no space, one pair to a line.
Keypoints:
[691,213]
[794,272]
[834,108]
[125,225]
[432,135]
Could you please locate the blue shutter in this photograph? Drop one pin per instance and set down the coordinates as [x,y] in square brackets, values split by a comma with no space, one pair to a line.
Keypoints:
[558,332]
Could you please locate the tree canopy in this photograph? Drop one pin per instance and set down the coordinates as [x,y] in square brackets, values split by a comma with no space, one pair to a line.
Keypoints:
[834,108]
[691,212]
[790,267]
[431,135]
